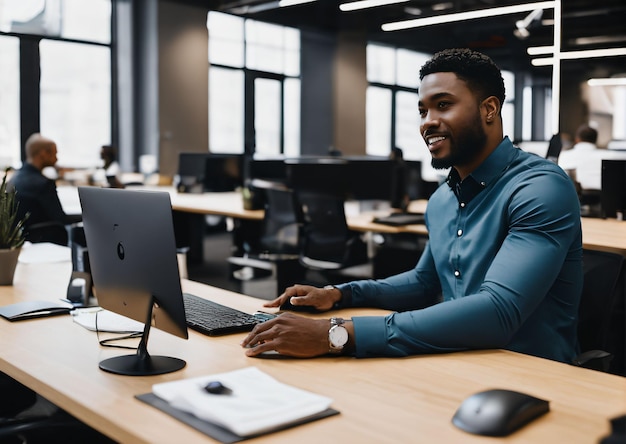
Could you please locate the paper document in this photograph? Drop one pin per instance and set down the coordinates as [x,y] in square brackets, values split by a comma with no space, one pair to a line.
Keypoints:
[105,321]
[257,404]
[44,252]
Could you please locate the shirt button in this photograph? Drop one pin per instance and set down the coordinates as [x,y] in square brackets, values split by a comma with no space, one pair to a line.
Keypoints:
[462,204]
[483,184]
[457,273]
[459,233]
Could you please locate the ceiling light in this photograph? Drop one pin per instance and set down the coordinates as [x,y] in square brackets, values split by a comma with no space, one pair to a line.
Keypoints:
[283,3]
[540,50]
[442,6]
[599,39]
[612,81]
[589,54]
[364,4]
[461,16]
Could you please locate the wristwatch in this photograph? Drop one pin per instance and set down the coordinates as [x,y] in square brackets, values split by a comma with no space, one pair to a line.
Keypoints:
[337,335]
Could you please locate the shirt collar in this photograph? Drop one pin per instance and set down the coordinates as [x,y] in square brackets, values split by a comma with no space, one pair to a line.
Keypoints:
[486,173]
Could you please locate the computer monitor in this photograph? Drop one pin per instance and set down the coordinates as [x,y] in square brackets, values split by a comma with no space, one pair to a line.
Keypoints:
[273,169]
[223,172]
[191,172]
[323,175]
[613,193]
[132,254]
[371,179]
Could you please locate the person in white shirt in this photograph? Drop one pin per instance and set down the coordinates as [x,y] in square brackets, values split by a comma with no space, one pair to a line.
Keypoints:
[583,162]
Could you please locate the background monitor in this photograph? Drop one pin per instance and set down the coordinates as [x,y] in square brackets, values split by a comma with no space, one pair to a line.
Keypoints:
[191,172]
[223,172]
[358,178]
[132,254]
[324,175]
[272,169]
[613,193]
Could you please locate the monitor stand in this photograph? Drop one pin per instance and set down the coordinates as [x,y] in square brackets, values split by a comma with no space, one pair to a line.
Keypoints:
[141,363]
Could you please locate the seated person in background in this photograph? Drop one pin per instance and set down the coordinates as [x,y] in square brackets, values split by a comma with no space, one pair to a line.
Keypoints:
[583,162]
[37,195]
[109,174]
[503,266]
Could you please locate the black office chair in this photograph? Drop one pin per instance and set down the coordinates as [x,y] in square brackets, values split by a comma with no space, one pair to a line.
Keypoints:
[54,232]
[601,313]
[275,252]
[327,244]
[554,148]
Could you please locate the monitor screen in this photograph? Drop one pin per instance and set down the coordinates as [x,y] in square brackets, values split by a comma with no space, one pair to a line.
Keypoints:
[223,172]
[273,169]
[132,254]
[324,175]
[613,193]
[350,178]
[191,172]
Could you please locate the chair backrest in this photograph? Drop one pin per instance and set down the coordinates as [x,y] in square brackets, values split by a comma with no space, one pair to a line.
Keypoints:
[554,148]
[281,225]
[326,239]
[601,271]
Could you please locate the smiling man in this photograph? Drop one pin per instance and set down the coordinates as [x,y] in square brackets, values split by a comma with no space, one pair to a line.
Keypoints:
[503,266]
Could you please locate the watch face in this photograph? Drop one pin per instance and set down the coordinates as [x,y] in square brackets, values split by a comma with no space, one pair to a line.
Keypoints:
[338,336]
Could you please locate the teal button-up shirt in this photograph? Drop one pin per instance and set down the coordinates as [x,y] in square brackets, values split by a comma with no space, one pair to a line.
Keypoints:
[502,268]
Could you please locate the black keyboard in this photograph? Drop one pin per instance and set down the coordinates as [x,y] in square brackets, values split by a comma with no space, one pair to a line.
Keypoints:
[398,219]
[215,319]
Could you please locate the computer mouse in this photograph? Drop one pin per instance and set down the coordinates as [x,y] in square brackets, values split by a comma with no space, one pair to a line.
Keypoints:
[498,412]
[217,388]
[301,308]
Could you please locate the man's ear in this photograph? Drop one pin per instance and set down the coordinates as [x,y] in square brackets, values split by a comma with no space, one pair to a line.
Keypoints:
[490,109]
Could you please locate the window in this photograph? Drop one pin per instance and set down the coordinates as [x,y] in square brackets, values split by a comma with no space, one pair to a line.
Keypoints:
[391,114]
[263,60]
[74,84]
[9,102]
[76,100]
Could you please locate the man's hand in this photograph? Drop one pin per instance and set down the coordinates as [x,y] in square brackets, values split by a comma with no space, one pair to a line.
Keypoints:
[289,335]
[307,296]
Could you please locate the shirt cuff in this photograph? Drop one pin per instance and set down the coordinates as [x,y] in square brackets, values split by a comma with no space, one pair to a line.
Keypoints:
[370,336]
[346,296]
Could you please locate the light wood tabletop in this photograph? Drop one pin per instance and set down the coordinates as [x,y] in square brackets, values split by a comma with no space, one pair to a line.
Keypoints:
[383,400]
[598,234]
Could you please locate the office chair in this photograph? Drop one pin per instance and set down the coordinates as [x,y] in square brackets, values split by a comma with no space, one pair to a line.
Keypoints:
[601,313]
[554,148]
[327,244]
[276,249]
[54,232]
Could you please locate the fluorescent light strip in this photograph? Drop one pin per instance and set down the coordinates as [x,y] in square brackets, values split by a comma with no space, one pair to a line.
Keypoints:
[449,18]
[588,54]
[283,3]
[364,4]
[619,81]
[540,50]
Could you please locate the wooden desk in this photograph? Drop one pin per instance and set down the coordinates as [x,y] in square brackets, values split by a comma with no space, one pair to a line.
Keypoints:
[598,234]
[381,400]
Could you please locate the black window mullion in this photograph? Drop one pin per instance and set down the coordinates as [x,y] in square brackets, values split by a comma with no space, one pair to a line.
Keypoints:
[30,76]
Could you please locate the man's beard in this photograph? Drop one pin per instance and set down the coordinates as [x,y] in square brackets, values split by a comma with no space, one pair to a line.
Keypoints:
[464,147]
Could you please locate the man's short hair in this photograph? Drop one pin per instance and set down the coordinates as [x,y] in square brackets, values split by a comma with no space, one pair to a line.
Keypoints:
[37,143]
[585,133]
[481,74]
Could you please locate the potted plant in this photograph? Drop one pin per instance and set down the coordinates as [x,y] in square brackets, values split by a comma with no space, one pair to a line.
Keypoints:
[11,232]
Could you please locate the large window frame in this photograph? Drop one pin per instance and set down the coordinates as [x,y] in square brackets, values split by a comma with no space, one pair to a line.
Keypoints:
[31,33]
[235,38]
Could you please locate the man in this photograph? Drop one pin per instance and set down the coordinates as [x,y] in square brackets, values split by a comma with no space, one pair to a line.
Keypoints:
[37,194]
[584,161]
[503,266]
